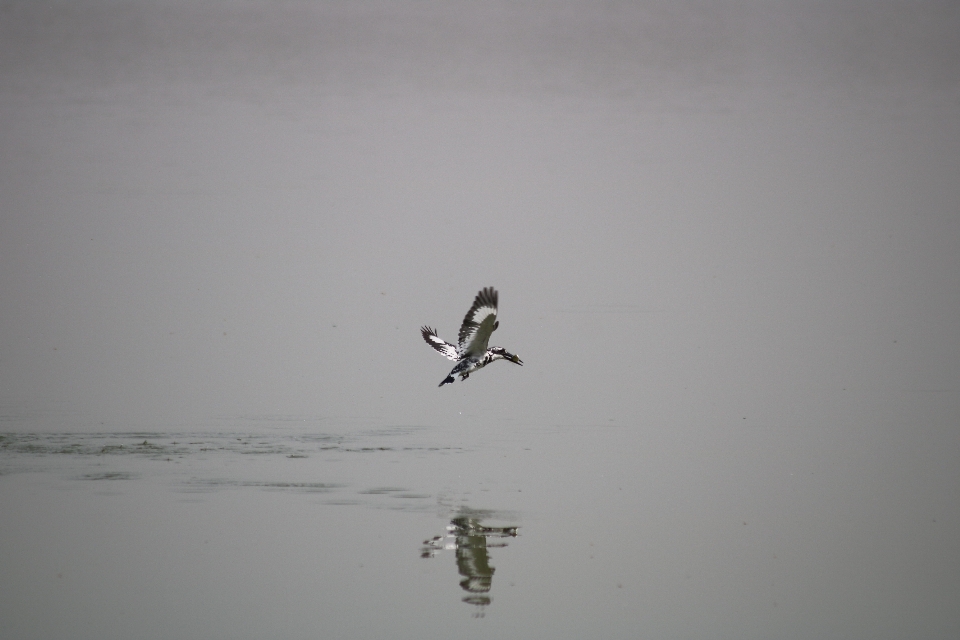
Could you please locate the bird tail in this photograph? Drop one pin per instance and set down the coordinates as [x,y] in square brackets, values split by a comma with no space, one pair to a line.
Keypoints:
[445,381]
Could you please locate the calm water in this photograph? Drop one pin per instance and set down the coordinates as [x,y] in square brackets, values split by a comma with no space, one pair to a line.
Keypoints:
[407,532]
[727,245]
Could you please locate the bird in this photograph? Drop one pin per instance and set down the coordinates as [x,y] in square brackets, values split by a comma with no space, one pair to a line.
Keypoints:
[472,353]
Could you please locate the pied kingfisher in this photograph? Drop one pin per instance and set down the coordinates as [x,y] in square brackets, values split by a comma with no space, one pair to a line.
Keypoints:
[478,324]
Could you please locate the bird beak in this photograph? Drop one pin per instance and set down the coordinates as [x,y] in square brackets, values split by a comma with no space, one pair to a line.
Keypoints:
[516,360]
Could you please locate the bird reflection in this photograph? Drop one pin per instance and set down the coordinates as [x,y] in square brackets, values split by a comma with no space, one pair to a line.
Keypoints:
[471,540]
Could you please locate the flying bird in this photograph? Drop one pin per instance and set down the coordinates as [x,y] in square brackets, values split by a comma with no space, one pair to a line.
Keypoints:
[472,352]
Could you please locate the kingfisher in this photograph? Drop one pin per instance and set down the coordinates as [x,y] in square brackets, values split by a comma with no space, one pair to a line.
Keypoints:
[472,352]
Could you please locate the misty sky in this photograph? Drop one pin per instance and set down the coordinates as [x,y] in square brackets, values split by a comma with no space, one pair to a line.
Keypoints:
[690,209]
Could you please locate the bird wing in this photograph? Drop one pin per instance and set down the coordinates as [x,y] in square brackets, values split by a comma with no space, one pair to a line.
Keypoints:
[479,323]
[445,348]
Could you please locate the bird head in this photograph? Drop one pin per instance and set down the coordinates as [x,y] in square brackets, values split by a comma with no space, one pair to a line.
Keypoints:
[506,355]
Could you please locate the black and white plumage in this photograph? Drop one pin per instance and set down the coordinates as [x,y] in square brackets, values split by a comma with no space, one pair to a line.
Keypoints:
[472,352]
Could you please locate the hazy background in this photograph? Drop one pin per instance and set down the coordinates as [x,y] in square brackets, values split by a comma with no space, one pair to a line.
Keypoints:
[690,209]
[730,230]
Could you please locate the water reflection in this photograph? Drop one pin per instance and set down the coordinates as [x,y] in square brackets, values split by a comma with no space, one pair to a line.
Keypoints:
[471,541]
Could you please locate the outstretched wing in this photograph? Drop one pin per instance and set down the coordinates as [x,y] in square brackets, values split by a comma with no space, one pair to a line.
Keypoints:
[445,348]
[479,323]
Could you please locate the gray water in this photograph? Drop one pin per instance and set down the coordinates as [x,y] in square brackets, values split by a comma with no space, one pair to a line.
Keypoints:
[726,238]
